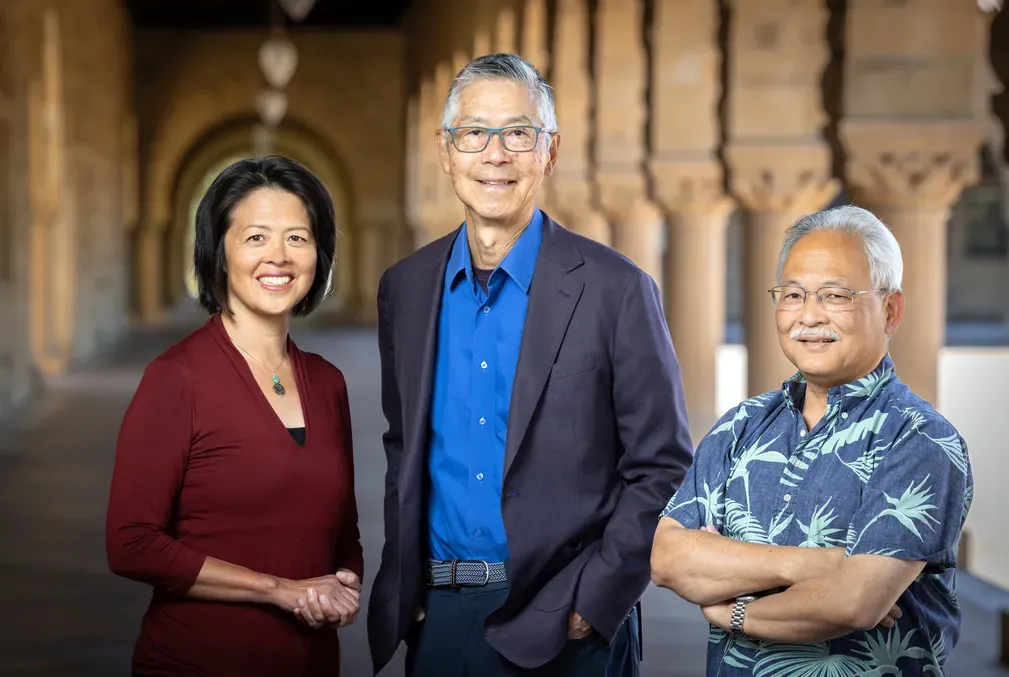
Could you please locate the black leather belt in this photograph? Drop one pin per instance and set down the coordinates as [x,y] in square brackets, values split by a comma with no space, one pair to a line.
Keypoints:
[464,573]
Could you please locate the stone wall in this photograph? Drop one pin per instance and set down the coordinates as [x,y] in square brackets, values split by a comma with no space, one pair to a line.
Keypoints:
[63,99]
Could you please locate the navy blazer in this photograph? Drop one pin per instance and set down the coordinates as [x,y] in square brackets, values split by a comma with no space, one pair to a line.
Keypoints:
[597,443]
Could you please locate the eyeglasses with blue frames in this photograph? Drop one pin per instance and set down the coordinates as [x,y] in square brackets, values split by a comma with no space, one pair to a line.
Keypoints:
[517,139]
[789,297]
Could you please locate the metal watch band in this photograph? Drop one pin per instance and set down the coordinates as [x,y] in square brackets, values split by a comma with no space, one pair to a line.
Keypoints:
[739,613]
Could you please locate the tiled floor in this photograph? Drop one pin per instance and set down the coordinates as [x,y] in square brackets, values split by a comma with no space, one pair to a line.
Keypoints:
[65,615]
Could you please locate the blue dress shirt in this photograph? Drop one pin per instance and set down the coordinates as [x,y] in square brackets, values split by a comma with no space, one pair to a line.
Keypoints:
[479,335]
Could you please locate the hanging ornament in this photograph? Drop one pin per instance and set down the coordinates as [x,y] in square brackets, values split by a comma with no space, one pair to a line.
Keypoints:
[278,59]
[297,9]
[271,106]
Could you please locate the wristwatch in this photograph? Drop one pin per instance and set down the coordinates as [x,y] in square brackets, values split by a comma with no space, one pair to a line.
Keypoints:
[739,613]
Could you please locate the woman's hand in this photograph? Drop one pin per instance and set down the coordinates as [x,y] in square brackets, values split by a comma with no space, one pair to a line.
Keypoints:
[332,600]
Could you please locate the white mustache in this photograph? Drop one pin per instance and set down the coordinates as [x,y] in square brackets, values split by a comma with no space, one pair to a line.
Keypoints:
[814,333]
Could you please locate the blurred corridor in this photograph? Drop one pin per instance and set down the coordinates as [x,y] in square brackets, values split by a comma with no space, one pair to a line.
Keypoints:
[67,616]
[694,132]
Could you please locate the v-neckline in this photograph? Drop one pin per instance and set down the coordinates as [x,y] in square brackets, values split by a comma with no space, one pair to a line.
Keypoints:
[245,371]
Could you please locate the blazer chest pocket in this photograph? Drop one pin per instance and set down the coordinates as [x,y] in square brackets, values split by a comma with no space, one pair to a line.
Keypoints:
[574,366]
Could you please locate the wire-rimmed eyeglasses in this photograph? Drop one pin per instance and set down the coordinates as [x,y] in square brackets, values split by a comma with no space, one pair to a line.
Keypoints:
[517,139]
[790,297]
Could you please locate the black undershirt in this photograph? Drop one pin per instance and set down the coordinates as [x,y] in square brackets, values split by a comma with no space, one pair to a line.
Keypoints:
[298,434]
[483,277]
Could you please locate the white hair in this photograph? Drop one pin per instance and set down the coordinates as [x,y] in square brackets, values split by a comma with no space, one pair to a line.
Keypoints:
[502,67]
[886,266]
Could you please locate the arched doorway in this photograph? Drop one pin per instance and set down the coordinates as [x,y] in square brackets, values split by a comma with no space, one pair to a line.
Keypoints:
[225,144]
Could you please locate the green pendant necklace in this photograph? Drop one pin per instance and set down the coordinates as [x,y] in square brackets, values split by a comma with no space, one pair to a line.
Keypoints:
[278,387]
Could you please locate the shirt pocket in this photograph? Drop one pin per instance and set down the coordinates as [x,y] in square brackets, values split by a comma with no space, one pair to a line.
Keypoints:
[827,519]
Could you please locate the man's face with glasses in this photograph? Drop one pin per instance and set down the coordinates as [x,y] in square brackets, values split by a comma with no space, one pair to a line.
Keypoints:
[832,325]
[497,152]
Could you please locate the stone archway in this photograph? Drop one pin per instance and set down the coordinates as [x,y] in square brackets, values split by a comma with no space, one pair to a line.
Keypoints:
[230,141]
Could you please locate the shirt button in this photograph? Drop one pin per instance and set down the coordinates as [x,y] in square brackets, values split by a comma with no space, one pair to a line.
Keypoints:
[844,414]
[483,421]
[788,497]
[486,309]
[479,476]
[478,534]
[802,434]
[483,365]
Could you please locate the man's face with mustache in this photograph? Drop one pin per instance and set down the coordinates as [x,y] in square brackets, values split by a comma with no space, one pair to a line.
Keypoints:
[831,347]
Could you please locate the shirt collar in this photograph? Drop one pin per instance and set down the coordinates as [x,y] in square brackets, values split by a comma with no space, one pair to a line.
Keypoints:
[847,395]
[519,263]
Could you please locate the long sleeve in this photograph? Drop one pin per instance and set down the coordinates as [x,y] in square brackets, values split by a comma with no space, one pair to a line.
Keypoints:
[151,455]
[392,439]
[650,411]
[351,555]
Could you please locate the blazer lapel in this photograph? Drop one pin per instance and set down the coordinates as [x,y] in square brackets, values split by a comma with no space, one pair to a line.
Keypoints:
[416,371]
[552,300]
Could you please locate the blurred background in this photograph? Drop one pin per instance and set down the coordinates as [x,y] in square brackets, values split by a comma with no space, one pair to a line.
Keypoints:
[693,133]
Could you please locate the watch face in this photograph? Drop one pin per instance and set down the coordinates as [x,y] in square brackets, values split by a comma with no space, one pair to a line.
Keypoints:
[746,598]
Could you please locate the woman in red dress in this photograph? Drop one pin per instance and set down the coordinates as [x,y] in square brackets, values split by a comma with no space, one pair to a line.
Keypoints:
[233,489]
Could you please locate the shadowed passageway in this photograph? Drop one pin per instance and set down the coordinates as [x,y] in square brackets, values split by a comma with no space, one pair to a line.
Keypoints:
[65,615]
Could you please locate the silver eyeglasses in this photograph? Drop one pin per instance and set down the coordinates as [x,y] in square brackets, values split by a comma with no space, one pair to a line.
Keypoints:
[788,297]
[519,139]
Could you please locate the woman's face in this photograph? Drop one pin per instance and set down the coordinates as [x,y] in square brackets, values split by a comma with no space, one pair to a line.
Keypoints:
[270,253]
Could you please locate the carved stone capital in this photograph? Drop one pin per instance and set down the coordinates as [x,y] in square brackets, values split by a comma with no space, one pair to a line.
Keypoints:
[913,164]
[690,186]
[623,196]
[781,178]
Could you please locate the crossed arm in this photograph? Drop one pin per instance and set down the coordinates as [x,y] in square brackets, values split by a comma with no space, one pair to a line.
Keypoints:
[826,595]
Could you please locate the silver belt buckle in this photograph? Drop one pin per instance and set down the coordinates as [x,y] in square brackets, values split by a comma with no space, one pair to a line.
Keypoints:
[486,569]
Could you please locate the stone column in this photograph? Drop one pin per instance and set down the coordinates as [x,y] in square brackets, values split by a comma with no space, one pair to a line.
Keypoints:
[688,180]
[428,170]
[450,210]
[412,166]
[621,80]
[535,49]
[912,129]
[376,245]
[506,32]
[569,192]
[150,273]
[52,268]
[779,163]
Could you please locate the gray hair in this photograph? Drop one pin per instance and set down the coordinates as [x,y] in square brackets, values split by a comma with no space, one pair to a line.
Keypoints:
[886,267]
[502,67]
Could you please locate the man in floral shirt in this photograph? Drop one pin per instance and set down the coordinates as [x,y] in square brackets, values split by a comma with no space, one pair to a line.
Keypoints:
[818,526]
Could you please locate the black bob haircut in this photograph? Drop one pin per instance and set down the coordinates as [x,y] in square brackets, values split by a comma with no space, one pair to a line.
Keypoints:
[213,218]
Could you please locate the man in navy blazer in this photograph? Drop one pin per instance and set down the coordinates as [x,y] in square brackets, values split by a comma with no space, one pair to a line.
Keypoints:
[536,417]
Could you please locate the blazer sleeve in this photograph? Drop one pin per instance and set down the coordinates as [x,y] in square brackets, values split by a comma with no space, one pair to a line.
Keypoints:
[151,455]
[650,412]
[392,439]
[351,555]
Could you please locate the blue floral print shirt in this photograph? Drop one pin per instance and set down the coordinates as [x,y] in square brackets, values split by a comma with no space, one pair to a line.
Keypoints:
[882,473]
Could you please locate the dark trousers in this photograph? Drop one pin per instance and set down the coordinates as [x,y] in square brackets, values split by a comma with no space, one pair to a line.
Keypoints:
[449,642]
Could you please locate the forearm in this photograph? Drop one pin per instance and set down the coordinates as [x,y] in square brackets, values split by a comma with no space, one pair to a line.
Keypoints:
[814,610]
[706,568]
[859,596]
[221,581]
